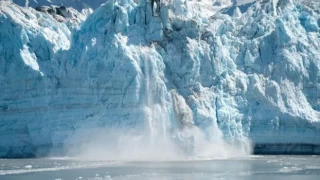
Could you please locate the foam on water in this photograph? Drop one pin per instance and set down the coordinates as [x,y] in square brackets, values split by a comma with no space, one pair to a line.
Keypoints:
[69,166]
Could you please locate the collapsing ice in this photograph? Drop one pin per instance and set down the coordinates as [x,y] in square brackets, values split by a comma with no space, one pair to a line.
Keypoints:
[168,120]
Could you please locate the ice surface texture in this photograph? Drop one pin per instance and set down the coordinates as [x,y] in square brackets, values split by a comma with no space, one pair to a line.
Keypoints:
[248,74]
[76,4]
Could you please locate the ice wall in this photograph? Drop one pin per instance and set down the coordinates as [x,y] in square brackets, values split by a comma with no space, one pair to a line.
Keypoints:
[76,4]
[200,83]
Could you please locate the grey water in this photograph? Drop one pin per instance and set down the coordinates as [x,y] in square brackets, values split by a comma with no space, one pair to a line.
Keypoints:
[252,167]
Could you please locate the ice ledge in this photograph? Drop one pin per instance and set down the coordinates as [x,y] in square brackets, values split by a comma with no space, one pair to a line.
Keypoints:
[283,149]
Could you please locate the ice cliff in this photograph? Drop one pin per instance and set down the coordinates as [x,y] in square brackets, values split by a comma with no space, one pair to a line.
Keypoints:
[243,75]
[76,4]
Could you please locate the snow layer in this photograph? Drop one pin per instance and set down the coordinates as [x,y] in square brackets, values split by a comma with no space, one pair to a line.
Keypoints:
[230,77]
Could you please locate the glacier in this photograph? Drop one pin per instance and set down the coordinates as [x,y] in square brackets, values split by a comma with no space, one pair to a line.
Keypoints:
[128,77]
[76,4]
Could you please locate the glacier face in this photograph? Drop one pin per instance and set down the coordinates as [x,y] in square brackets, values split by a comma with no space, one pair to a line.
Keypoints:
[76,4]
[197,82]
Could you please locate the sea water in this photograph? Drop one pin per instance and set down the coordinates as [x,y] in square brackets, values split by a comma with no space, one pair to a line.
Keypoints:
[253,167]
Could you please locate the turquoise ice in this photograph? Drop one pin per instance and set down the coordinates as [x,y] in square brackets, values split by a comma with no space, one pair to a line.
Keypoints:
[203,85]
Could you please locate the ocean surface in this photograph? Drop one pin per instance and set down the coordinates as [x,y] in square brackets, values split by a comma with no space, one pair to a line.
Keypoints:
[253,167]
